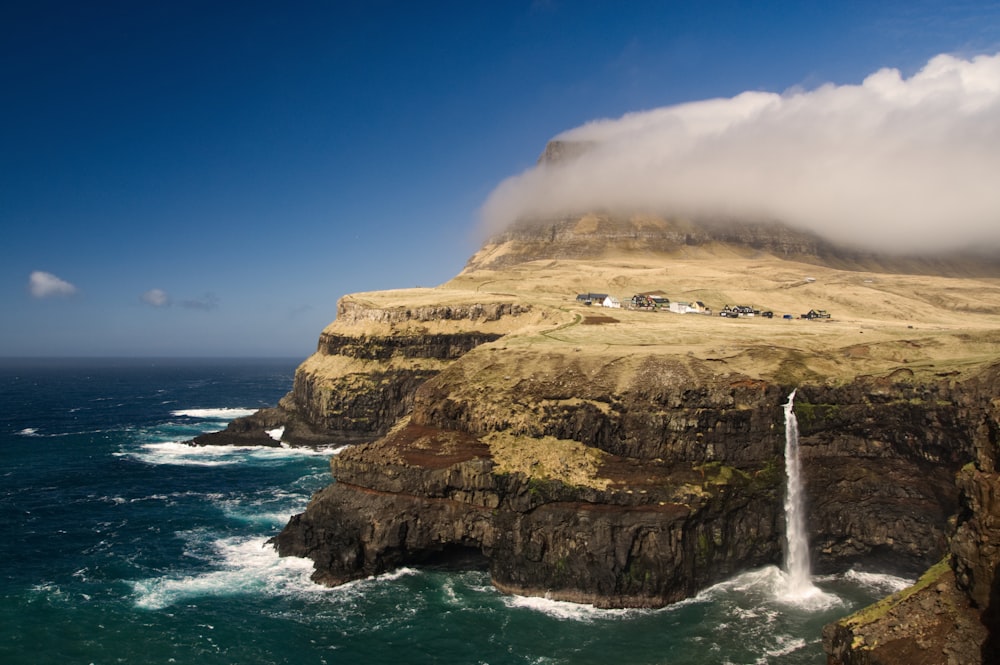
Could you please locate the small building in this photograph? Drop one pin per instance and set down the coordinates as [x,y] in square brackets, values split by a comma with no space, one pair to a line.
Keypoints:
[591,298]
[648,301]
[612,302]
[641,301]
[681,307]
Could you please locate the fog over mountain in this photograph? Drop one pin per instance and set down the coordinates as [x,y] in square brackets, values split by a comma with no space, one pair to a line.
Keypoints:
[899,164]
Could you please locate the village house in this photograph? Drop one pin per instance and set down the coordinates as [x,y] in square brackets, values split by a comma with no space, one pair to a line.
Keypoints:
[612,302]
[681,307]
[590,298]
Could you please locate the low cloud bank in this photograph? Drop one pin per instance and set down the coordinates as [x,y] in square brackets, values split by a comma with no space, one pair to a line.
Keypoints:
[905,164]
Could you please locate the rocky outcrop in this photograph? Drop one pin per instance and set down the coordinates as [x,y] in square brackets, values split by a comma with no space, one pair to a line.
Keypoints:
[366,370]
[594,236]
[882,456]
[561,152]
[952,615]
[422,493]
[685,486]
[931,622]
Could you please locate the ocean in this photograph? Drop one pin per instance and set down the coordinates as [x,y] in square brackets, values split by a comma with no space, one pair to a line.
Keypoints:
[123,545]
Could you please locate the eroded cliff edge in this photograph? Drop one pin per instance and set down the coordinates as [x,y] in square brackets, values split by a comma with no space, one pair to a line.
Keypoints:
[952,615]
[679,485]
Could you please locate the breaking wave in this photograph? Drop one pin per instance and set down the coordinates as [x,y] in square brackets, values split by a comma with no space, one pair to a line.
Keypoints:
[185,454]
[216,414]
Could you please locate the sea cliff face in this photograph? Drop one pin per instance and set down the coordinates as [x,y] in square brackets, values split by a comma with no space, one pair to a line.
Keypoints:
[952,615]
[635,482]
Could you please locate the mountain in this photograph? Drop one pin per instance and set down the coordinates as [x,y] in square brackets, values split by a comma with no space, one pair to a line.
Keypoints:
[630,457]
[595,236]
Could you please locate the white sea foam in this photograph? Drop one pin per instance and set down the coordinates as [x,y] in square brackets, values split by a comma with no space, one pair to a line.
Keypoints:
[214,414]
[770,584]
[286,451]
[183,454]
[561,609]
[786,644]
[392,575]
[275,433]
[271,508]
[171,498]
[449,592]
[246,565]
[878,581]
[34,433]
[809,598]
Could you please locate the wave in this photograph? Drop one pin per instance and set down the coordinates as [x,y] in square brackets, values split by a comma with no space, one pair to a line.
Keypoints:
[763,593]
[246,565]
[214,414]
[565,610]
[35,434]
[170,499]
[393,575]
[270,508]
[785,645]
[882,582]
[183,454]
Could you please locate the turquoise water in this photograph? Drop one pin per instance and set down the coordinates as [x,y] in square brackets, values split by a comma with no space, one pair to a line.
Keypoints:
[121,545]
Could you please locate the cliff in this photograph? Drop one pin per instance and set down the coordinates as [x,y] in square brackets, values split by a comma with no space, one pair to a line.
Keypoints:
[599,236]
[630,458]
[952,615]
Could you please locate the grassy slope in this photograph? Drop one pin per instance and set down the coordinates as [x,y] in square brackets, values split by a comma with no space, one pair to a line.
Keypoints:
[881,322]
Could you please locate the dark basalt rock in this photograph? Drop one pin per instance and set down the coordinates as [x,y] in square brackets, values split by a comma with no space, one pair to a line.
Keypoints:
[953,614]
[441,346]
[879,459]
[364,405]
[417,493]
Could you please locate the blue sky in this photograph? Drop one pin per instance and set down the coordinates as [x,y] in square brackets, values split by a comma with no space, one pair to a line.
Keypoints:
[243,165]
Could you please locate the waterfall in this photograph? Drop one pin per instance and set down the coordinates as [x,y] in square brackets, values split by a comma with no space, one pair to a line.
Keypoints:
[798,580]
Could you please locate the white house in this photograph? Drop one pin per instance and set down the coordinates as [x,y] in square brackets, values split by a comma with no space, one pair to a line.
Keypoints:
[612,302]
[680,307]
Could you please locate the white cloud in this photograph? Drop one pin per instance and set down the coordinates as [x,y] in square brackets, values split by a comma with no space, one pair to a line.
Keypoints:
[160,298]
[895,163]
[207,302]
[46,285]
[156,298]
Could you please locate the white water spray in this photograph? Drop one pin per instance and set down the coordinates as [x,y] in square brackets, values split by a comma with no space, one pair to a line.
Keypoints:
[798,580]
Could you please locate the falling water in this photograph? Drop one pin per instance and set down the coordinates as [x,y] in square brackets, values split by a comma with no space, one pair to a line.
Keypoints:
[798,583]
